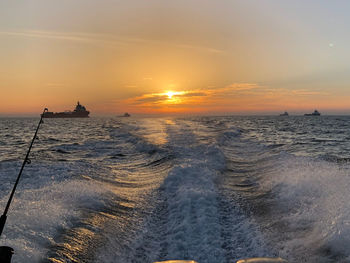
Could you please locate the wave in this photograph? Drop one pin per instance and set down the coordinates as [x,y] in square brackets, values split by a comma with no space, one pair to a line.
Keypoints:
[300,203]
[311,199]
[212,190]
[190,218]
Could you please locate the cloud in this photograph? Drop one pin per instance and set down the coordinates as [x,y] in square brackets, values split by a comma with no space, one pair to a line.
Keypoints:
[254,89]
[153,98]
[304,92]
[242,86]
[150,100]
[105,39]
[87,38]
[233,97]
[193,94]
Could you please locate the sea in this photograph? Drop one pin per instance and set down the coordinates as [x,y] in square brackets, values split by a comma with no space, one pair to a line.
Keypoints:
[212,189]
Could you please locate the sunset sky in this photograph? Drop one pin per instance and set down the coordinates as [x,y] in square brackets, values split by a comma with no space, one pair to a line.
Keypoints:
[183,56]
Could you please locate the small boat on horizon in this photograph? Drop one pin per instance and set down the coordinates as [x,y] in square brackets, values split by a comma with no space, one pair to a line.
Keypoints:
[284,114]
[126,115]
[315,113]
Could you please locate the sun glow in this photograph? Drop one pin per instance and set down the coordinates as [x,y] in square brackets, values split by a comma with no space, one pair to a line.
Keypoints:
[170,94]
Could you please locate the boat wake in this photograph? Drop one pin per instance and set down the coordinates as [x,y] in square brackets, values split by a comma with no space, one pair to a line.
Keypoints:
[144,190]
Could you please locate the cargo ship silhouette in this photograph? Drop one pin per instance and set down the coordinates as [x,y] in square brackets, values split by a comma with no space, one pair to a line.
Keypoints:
[79,112]
[315,113]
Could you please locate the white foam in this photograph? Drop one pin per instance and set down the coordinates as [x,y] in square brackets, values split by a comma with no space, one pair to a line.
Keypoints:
[188,220]
[37,214]
[313,196]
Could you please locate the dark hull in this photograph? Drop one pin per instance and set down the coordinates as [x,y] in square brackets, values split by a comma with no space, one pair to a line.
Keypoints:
[66,115]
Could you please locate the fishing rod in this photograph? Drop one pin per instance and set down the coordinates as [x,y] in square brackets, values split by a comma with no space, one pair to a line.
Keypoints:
[6,252]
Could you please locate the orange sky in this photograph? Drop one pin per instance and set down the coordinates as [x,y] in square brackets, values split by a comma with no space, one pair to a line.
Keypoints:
[239,57]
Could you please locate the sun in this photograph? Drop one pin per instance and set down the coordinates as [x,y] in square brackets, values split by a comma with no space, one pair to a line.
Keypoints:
[172,97]
[170,94]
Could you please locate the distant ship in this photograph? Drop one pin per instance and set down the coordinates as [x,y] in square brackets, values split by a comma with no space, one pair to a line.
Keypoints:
[315,113]
[126,115]
[79,112]
[284,114]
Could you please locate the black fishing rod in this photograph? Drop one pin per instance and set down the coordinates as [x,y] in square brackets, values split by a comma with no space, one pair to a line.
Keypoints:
[6,252]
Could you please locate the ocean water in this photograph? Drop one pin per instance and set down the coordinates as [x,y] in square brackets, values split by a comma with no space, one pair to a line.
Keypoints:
[212,189]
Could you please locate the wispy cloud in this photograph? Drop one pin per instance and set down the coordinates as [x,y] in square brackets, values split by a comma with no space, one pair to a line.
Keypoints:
[193,94]
[180,97]
[66,36]
[105,39]
[242,86]
[152,98]
[304,92]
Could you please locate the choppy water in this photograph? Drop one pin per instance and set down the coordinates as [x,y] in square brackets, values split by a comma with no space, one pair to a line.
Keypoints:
[212,189]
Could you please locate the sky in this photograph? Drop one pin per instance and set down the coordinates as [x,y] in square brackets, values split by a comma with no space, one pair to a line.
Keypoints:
[175,57]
